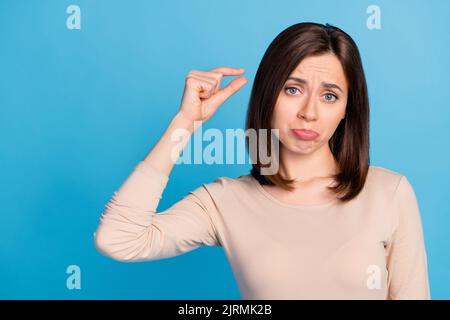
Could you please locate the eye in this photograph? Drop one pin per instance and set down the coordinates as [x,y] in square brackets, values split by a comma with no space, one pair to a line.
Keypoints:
[291,90]
[330,97]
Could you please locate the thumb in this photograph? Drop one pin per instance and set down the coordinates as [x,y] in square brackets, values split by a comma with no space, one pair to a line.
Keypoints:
[220,96]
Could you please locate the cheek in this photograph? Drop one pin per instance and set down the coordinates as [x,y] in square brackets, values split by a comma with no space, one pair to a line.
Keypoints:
[331,120]
[283,114]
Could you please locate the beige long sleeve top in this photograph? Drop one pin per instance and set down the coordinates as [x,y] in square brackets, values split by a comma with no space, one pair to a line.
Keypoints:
[369,248]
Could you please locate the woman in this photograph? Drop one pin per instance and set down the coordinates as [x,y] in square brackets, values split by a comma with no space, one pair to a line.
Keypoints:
[326,225]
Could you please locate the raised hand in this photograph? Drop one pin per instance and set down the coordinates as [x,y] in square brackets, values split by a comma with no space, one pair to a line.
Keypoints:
[202,94]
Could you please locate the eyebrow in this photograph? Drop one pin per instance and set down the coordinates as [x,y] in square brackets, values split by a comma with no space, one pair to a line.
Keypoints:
[324,84]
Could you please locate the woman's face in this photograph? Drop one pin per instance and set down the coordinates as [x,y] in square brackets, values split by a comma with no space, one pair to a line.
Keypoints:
[315,100]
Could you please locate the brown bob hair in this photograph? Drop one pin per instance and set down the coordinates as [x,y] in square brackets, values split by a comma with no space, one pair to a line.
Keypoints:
[350,141]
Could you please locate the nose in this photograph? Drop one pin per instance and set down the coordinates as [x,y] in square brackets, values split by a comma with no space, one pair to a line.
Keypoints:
[308,110]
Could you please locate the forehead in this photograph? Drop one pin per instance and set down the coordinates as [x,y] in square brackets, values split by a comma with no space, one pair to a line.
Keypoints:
[326,67]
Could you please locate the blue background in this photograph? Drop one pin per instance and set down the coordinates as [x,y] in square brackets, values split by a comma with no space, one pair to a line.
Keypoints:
[80,108]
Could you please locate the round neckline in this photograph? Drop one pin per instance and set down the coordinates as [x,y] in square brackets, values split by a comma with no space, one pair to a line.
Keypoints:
[288,205]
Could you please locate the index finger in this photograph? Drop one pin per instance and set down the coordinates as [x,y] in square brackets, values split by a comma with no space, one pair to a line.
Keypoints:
[228,71]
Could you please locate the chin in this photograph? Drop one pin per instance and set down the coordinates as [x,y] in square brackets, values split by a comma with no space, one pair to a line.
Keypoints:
[300,147]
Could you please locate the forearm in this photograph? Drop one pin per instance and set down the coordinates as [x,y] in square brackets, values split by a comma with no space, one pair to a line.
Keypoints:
[169,147]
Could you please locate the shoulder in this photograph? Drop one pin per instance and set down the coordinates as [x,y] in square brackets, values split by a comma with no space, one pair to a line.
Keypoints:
[384,173]
[227,183]
[389,182]
[225,186]
[382,178]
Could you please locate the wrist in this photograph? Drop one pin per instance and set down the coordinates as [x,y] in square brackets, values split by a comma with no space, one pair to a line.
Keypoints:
[186,123]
